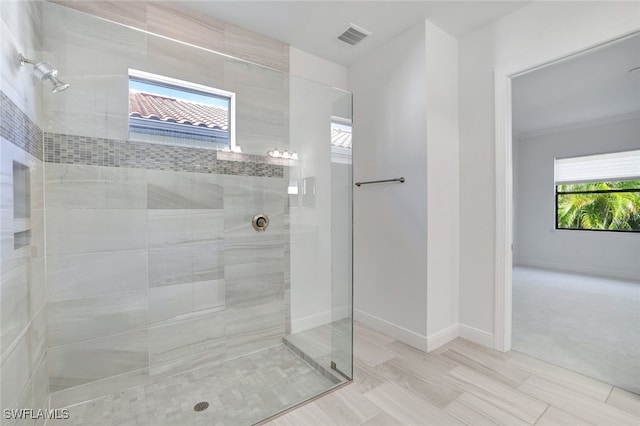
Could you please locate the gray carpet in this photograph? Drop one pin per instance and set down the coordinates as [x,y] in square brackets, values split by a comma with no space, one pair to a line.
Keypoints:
[587,324]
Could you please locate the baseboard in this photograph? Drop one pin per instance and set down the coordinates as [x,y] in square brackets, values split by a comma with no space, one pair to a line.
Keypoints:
[442,337]
[419,341]
[316,320]
[394,331]
[475,335]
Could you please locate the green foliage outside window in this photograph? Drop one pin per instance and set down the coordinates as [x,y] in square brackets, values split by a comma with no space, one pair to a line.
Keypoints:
[613,206]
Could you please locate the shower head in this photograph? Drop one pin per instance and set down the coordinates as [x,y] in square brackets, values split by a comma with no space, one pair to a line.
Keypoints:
[46,71]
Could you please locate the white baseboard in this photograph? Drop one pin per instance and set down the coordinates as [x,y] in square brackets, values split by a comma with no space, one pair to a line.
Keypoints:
[316,320]
[394,331]
[475,335]
[419,341]
[442,337]
[401,334]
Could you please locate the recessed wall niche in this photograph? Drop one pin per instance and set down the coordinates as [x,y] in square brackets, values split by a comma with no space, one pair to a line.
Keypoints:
[21,191]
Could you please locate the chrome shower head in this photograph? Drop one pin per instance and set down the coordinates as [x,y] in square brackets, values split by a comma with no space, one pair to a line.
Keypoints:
[45,71]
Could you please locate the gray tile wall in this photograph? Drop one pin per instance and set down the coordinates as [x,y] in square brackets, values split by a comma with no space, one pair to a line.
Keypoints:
[23,325]
[157,272]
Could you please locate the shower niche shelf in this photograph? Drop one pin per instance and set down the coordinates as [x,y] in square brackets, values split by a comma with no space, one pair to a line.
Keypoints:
[21,191]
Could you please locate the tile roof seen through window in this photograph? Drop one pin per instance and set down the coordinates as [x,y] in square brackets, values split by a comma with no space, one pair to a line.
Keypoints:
[340,138]
[171,110]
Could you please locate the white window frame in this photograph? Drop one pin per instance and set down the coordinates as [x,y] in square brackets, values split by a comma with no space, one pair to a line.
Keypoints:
[177,84]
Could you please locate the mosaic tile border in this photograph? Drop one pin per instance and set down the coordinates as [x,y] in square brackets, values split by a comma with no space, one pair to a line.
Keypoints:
[17,128]
[85,150]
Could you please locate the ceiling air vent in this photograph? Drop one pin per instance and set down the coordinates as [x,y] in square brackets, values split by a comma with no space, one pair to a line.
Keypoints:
[354,35]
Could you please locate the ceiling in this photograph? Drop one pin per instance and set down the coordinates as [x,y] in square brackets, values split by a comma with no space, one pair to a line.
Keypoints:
[313,26]
[590,86]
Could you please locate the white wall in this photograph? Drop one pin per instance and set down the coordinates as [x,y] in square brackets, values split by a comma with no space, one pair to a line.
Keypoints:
[406,235]
[315,68]
[534,34]
[443,182]
[390,220]
[538,243]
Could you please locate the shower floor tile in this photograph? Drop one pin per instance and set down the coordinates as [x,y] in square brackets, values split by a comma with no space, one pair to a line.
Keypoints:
[241,391]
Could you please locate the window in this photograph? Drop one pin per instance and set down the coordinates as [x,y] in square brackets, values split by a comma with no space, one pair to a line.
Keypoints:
[176,112]
[341,136]
[598,192]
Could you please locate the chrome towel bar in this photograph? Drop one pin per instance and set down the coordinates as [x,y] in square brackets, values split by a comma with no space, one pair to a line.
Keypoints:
[400,179]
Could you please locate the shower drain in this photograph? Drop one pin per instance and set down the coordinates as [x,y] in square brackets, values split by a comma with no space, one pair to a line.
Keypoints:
[201,406]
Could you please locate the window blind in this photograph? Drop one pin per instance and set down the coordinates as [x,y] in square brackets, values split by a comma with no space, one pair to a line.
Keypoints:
[598,168]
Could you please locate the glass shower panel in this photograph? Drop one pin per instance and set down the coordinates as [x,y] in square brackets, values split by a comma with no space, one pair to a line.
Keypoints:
[342,233]
[159,271]
[320,205]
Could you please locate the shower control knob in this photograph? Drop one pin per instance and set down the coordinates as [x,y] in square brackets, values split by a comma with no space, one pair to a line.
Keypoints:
[260,222]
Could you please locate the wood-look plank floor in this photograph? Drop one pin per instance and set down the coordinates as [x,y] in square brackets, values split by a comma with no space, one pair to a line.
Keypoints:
[462,383]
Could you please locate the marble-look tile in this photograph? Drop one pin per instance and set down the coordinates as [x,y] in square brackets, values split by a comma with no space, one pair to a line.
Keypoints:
[178,24]
[134,15]
[371,335]
[99,388]
[16,371]
[494,369]
[207,190]
[203,333]
[187,363]
[557,417]
[40,384]
[252,192]
[406,406]
[168,302]
[91,231]
[79,363]
[253,328]
[166,57]
[168,190]
[502,396]
[575,403]
[367,351]
[586,385]
[309,414]
[95,274]
[178,301]
[14,300]
[169,227]
[92,317]
[256,48]
[170,266]
[37,337]
[627,401]
[207,260]
[382,419]
[37,290]
[182,190]
[24,400]
[473,410]
[209,295]
[263,288]
[347,406]
[73,186]
[206,225]
[433,388]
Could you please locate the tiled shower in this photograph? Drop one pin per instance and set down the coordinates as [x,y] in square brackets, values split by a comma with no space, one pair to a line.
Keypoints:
[133,283]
